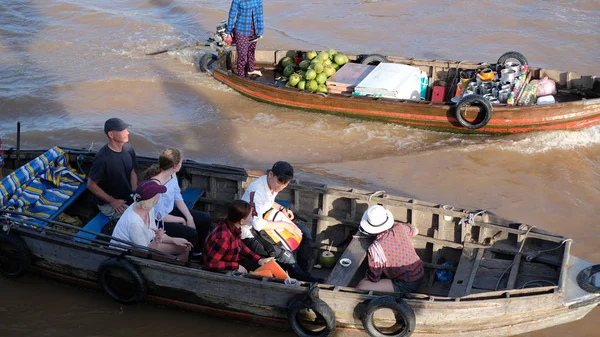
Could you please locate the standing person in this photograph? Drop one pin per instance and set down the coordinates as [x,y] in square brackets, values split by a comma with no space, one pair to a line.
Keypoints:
[224,247]
[112,177]
[179,220]
[246,22]
[137,223]
[391,254]
[261,194]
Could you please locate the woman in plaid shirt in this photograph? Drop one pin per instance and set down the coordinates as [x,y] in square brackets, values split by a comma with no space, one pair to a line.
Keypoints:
[224,247]
[246,22]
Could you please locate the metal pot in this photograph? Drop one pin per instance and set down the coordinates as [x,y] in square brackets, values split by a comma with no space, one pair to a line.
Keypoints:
[507,75]
[513,66]
[503,95]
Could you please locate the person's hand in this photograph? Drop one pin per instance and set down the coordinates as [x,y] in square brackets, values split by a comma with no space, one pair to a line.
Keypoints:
[242,269]
[291,227]
[265,260]
[190,222]
[119,205]
[159,234]
[288,212]
[181,242]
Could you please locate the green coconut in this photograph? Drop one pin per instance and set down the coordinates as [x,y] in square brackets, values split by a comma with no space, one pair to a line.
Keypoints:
[323,56]
[329,70]
[322,88]
[304,64]
[321,78]
[318,68]
[331,53]
[294,79]
[288,70]
[312,85]
[340,59]
[311,74]
[311,55]
[301,84]
[327,260]
[286,61]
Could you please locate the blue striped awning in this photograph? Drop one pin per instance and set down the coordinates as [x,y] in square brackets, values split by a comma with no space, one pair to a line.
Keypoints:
[41,186]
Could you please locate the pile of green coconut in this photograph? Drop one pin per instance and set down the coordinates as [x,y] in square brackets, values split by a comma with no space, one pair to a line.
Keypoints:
[313,71]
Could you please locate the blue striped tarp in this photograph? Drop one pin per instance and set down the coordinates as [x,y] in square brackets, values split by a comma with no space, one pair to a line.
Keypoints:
[41,186]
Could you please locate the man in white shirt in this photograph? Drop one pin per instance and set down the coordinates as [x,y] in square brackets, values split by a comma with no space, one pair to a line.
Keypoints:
[261,195]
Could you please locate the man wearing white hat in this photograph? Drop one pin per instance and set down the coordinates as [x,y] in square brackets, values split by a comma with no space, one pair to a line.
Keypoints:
[394,266]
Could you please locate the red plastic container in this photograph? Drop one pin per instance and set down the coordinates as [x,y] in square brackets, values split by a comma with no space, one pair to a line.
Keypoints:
[438,94]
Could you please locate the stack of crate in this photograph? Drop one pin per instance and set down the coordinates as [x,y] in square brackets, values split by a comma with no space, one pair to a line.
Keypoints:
[347,77]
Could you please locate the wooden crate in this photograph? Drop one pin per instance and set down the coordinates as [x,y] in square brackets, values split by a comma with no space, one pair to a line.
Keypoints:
[347,77]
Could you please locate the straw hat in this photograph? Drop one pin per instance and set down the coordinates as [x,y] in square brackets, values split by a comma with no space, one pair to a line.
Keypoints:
[376,219]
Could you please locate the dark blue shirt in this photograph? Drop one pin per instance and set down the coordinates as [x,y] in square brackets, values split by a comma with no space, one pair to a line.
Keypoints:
[112,172]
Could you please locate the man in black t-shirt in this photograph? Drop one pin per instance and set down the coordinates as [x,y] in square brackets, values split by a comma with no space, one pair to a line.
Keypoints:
[112,177]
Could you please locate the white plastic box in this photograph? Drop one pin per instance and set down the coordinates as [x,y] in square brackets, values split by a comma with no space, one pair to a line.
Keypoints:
[391,80]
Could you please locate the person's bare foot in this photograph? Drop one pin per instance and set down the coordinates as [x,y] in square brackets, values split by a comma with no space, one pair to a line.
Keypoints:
[255,72]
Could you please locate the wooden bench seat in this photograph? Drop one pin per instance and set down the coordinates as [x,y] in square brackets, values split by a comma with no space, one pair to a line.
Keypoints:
[356,252]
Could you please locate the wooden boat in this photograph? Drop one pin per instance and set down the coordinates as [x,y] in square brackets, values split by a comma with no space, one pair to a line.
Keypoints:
[509,278]
[577,100]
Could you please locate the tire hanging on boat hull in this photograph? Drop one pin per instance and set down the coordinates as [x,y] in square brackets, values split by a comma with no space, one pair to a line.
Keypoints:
[324,313]
[404,314]
[137,283]
[484,115]
[15,258]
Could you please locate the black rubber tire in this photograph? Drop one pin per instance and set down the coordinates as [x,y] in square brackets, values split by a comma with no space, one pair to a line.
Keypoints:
[584,276]
[512,55]
[139,284]
[15,258]
[205,62]
[484,115]
[403,312]
[374,58]
[320,308]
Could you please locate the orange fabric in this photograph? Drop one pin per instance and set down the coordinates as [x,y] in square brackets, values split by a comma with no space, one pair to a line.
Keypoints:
[273,268]
[266,273]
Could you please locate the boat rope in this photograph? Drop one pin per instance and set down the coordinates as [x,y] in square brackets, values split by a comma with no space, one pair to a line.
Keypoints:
[536,281]
[530,257]
[513,262]
[376,194]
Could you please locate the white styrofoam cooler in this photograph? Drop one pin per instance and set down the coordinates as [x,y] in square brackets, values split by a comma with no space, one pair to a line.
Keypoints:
[392,80]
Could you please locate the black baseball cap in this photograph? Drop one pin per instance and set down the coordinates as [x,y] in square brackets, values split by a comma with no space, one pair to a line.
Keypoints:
[115,124]
[283,170]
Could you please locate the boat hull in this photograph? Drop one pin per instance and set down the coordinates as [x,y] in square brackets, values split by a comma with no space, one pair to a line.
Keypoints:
[573,114]
[266,303]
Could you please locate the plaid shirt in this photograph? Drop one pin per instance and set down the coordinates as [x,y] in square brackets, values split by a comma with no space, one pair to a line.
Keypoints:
[243,14]
[223,249]
[393,255]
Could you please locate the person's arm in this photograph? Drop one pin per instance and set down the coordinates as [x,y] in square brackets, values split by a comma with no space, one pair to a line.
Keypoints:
[233,12]
[174,219]
[134,180]
[259,20]
[118,205]
[288,212]
[373,274]
[216,250]
[248,253]
[187,216]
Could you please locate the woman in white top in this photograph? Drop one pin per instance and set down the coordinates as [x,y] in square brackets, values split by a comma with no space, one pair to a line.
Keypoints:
[137,224]
[179,220]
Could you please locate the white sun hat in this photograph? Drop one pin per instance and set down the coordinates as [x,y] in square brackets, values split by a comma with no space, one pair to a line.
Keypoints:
[376,219]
